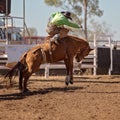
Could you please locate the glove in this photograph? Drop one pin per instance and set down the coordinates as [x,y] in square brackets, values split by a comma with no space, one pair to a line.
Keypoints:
[81,26]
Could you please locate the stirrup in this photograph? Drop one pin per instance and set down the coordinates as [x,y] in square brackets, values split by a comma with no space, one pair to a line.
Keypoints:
[55,41]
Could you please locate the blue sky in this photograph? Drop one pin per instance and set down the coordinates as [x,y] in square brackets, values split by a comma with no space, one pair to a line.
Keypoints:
[37,14]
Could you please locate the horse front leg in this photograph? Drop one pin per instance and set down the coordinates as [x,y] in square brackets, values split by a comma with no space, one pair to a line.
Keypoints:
[67,79]
[69,71]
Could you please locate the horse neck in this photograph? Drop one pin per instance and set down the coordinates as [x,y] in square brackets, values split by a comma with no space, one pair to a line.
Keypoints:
[83,44]
[80,43]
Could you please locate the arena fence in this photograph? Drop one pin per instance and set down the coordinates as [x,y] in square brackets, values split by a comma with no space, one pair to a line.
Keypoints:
[93,61]
[101,43]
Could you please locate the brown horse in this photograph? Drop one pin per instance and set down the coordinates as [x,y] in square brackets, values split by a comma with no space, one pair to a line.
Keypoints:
[68,48]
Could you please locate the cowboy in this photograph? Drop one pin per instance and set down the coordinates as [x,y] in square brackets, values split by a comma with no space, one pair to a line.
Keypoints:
[59,25]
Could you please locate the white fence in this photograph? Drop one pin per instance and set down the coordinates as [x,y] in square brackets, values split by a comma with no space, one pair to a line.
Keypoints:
[14,52]
[103,41]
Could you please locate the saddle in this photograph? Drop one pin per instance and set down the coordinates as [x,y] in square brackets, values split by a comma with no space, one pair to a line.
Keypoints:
[54,40]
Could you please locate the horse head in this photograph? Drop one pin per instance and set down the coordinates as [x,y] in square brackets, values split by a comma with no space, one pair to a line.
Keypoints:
[82,53]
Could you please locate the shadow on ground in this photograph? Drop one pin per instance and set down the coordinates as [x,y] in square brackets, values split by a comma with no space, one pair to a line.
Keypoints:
[15,96]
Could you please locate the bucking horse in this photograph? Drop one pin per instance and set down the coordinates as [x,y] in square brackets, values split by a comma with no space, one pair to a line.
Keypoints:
[69,47]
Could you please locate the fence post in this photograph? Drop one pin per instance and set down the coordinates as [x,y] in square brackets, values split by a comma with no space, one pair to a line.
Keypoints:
[111,56]
[47,70]
[95,57]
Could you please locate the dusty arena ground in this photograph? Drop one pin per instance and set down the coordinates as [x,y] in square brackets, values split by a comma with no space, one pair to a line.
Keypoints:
[89,98]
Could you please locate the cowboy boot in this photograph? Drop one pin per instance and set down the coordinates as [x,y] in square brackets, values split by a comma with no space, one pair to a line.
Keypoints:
[55,39]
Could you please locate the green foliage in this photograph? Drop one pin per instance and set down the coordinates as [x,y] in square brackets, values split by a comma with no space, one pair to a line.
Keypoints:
[56,3]
[99,29]
[93,8]
[70,5]
[77,6]
[30,32]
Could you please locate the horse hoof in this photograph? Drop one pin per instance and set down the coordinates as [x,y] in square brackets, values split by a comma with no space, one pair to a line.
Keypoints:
[25,90]
[67,80]
[71,82]
[67,83]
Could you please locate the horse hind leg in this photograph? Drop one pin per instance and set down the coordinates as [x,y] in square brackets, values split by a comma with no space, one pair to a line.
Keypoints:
[20,80]
[26,78]
[21,69]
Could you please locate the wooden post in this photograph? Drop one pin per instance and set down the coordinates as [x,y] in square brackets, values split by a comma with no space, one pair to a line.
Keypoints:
[95,57]
[111,56]
[47,70]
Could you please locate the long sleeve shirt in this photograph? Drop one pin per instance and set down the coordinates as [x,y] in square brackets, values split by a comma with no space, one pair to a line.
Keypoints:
[59,19]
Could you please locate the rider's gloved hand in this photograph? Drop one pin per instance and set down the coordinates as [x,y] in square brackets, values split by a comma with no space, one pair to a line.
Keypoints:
[81,26]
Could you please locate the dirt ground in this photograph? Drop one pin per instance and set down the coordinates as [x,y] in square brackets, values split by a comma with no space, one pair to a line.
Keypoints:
[89,98]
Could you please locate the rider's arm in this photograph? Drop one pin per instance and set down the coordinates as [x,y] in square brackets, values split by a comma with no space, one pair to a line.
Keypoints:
[53,15]
[71,24]
[61,20]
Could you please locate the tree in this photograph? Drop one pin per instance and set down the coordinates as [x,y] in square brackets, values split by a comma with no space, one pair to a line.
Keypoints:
[30,32]
[87,8]
[99,29]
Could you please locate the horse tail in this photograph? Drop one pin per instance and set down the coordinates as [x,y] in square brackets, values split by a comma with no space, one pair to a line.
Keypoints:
[12,72]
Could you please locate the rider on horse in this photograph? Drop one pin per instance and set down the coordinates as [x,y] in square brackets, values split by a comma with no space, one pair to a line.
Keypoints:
[59,25]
